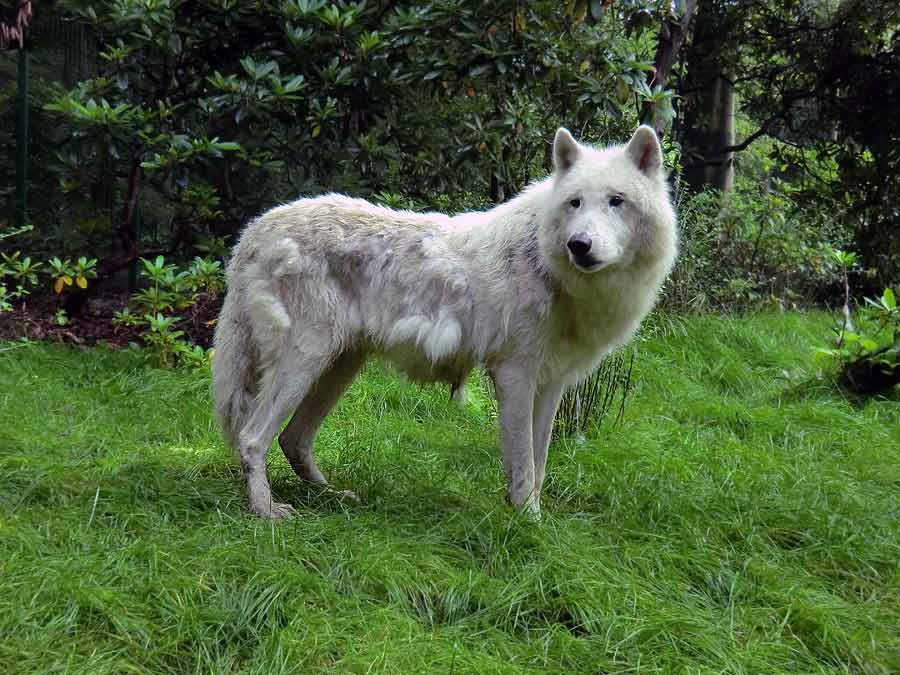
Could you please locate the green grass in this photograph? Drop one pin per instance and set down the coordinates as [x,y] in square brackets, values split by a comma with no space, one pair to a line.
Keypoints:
[739,520]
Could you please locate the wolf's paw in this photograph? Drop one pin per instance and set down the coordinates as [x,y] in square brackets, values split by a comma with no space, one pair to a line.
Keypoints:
[531,510]
[348,494]
[274,511]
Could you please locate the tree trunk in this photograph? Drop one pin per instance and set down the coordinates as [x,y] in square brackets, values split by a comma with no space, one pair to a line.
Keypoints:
[706,122]
[672,35]
[709,165]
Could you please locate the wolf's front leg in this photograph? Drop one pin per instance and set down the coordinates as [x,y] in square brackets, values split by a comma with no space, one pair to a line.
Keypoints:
[546,403]
[515,396]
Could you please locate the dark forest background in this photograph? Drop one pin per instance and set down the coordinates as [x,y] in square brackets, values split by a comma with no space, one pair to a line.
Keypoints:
[159,127]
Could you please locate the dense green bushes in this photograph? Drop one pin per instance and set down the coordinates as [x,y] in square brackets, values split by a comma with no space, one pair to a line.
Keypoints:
[176,139]
[197,134]
[755,245]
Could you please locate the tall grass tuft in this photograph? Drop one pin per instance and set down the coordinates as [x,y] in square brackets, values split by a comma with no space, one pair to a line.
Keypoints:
[587,404]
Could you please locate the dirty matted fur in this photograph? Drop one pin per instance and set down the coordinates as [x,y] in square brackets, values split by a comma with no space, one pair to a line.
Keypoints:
[537,290]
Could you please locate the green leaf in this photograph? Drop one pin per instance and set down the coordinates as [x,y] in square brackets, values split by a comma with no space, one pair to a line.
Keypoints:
[888,299]
[294,84]
[825,355]
[175,43]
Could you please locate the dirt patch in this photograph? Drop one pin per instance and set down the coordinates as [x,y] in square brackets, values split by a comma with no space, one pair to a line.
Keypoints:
[35,319]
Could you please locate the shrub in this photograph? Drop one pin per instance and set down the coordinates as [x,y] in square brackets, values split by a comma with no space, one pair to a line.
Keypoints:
[20,273]
[754,245]
[65,273]
[20,276]
[155,310]
[868,354]
[168,143]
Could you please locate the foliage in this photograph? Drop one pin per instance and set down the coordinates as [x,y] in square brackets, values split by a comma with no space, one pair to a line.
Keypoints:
[868,354]
[175,140]
[163,339]
[66,273]
[22,274]
[168,289]
[61,317]
[6,298]
[304,95]
[155,310]
[818,78]
[758,244]
[206,276]
[9,232]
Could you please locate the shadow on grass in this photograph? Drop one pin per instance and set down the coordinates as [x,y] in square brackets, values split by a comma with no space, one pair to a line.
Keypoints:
[830,387]
[185,490]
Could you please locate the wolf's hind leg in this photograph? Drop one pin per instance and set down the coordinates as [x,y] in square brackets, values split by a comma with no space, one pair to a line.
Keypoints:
[299,435]
[459,392]
[283,391]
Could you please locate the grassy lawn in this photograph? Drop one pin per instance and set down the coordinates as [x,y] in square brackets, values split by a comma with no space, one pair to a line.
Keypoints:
[739,520]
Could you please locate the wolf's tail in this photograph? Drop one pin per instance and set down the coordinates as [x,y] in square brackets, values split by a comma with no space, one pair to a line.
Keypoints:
[234,378]
[251,331]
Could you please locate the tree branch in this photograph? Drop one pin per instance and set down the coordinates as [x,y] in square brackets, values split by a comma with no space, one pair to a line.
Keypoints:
[743,145]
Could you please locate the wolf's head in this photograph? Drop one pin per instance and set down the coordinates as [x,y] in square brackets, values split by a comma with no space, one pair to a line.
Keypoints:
[610,208]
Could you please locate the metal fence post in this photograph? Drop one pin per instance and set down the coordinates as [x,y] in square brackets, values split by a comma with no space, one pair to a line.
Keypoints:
[22,140]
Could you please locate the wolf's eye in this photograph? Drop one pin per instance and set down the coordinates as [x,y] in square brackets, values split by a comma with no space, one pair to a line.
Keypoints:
[574,203]
[616,201]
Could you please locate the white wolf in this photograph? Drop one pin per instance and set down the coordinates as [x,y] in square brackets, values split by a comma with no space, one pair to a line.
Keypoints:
[537,290]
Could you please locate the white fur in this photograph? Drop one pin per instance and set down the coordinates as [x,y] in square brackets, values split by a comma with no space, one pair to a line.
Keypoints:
[318,285]
[438,338]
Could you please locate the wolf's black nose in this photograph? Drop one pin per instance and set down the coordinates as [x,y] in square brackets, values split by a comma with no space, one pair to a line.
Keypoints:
[579,244]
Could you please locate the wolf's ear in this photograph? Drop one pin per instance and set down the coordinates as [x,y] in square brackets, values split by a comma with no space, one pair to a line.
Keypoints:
[645,151]
[565,150]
